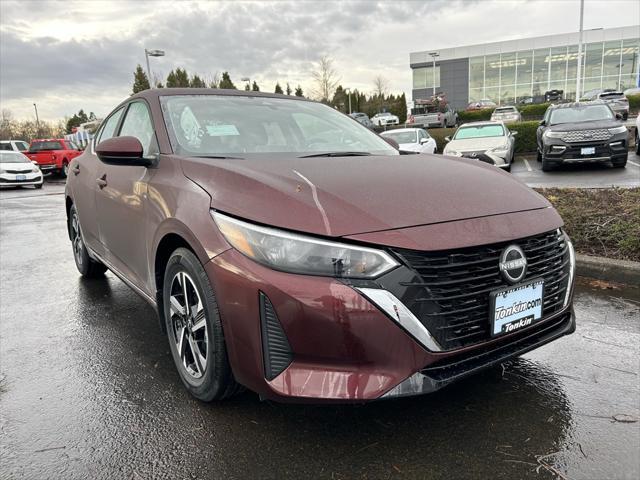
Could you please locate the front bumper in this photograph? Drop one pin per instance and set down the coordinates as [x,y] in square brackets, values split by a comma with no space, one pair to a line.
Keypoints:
[11,179]
[48,167]
[492,158]
[557,152]
[338,344]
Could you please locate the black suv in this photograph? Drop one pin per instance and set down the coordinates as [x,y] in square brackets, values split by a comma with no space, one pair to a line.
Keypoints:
[585,132]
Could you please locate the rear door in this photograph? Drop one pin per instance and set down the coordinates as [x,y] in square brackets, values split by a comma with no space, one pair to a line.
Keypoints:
[82,181]
[121,199]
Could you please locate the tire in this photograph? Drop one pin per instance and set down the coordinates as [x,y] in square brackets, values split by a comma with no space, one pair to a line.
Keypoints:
[87,266]
[637,142]
[546,166]
[538,156]
[194,327]
[64,171]
[38,187]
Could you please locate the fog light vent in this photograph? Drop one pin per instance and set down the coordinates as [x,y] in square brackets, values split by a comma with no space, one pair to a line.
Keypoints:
[276,351]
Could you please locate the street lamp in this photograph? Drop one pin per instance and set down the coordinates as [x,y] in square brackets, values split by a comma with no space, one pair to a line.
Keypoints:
[248,80]
[578,79]
[37,120]
[349,90]
[152,53]
[433,56]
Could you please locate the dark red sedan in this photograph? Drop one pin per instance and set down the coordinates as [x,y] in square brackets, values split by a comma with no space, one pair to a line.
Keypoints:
[292,251]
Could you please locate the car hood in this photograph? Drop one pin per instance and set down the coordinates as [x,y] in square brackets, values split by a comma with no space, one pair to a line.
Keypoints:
[17,166]
[475,144]
[572,127]
[337,196]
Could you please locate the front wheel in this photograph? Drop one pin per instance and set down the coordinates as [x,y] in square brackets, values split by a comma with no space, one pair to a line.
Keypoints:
[39,186]
[194,329]
[619,163]
[64,171]
[546,166]
[87,266]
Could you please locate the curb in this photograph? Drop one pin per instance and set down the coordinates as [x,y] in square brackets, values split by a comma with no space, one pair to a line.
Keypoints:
[622,271]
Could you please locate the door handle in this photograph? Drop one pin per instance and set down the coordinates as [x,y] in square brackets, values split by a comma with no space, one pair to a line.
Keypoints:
[76,169]
[102,181]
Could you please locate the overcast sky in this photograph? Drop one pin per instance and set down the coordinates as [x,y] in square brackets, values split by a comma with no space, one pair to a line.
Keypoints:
[71,55]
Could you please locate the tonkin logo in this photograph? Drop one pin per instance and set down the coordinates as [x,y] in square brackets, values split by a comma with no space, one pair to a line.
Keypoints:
[513,264]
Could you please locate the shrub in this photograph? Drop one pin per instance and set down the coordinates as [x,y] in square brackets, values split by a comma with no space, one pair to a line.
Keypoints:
[438,135]
[533,112]
[634,103]
[526,138]
[475,115]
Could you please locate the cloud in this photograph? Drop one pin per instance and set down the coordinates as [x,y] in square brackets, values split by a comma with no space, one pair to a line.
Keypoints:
[84,55]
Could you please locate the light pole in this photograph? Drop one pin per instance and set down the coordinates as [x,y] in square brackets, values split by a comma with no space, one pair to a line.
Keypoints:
[37,120]
[433,56]
[349,90]
[579,52]
[248,80]
[152,53]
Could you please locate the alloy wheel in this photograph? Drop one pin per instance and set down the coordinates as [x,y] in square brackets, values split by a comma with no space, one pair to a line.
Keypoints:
[190,331]
[76,239]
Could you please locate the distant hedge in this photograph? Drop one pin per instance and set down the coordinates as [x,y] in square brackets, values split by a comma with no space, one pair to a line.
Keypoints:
[525,140]
[533,112]
[475,115]
[634,103]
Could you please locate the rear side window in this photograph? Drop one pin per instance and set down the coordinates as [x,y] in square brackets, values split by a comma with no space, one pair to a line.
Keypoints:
[109,127]
[137,123]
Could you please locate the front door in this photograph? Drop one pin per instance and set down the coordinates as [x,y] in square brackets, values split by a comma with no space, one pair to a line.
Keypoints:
[121,201]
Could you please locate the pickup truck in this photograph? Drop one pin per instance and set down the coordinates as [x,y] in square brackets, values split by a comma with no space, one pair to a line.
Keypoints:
[53,154]
[432,116]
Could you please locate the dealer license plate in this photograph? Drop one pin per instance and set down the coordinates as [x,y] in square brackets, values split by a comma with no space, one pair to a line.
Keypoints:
[21,178]
[516,307]
[588,150]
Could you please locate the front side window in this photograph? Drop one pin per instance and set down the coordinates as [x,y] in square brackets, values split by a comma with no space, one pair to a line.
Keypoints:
[220,125]
[22,146]
[137,123]
[402,137]
[587,113]
[109,128]
[480,131]
[72,145]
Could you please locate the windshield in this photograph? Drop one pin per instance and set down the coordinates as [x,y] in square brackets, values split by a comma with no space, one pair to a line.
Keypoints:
[584,113]
[48,145]
[611,95]
[13,157]
[402,137]
[479,131]
[221,125]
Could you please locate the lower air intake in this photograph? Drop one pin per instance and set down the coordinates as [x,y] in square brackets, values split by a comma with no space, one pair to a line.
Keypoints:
[276,351]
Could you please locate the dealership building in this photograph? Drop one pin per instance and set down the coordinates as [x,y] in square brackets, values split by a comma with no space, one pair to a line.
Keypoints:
[511,71]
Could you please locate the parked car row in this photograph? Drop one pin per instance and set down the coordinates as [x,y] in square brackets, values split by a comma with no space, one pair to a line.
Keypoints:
[615,99]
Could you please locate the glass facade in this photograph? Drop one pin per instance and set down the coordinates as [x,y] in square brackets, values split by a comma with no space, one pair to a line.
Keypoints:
[510,77]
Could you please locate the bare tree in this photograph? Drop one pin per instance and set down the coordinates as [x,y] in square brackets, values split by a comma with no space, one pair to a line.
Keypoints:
[381,86]
[325,78]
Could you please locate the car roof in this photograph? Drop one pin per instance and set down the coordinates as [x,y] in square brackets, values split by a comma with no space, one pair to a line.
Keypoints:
[575,104]
[400,130]
[479,124]
[154,93]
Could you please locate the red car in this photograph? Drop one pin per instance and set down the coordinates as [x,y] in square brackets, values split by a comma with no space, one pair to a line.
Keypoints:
[53,154]
[292,251]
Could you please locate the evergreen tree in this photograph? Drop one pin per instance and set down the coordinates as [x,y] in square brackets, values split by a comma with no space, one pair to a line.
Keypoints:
[178,78]
[140,80]
[226,82]
[159,85]
[247,87]
[278,88]
[197,82]
[75,121]
[255,87]
[299,92]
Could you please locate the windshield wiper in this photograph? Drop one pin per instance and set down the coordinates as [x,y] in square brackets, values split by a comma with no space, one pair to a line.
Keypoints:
[335,154]
[223,157]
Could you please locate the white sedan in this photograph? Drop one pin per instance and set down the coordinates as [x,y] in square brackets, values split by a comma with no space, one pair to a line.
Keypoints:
[17,170]
[412,139]
[385,118]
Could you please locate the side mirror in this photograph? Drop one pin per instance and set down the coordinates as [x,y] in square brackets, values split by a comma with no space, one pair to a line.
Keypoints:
[122,151]
[423,141]
[619,116]
[447,139]
[513,134]
[542,123]
[34,162]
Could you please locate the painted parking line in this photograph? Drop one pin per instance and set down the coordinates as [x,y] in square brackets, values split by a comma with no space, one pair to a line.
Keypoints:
[526,162]
[633,163]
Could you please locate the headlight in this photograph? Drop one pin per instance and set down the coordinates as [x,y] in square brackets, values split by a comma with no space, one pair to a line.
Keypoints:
[35,169]
[502,149]
[296,253]
[572,268]
[550,134]
[616,130]
[452,153]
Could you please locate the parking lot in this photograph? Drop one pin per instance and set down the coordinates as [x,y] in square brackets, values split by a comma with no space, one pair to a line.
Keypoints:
[88,389]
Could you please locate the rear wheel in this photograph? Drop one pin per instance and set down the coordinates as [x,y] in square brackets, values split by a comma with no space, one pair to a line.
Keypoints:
[194,329]
[87,266]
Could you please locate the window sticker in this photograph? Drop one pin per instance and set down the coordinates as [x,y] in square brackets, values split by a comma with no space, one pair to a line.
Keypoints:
[222,130]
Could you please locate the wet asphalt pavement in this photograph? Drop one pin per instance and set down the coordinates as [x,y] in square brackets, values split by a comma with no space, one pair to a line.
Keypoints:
[88,390]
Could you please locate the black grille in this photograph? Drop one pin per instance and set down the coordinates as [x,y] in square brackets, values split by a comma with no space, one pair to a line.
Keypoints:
[276,351]
[481,155]
[29,170]
[450,294]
